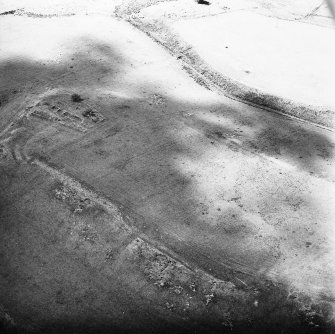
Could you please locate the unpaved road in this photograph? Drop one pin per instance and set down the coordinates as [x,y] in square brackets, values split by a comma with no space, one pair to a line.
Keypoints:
[272,55]
[148,202]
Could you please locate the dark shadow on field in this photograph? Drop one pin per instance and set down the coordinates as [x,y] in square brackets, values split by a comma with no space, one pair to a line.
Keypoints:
[89,63]
[131,159]
[90,326]
[275,136]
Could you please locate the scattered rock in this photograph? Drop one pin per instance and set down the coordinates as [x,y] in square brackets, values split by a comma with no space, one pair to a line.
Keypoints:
[177,289]
[193,287]
[93,115]
[110,254]
[71,197]
[3,152]
[169,306]
[88,234]
[209,298]
[156,99]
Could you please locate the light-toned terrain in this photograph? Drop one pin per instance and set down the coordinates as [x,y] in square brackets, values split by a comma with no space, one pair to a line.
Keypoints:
[135,199]
[276,55]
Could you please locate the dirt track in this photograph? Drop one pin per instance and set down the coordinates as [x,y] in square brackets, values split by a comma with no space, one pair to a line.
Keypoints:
[148,202]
